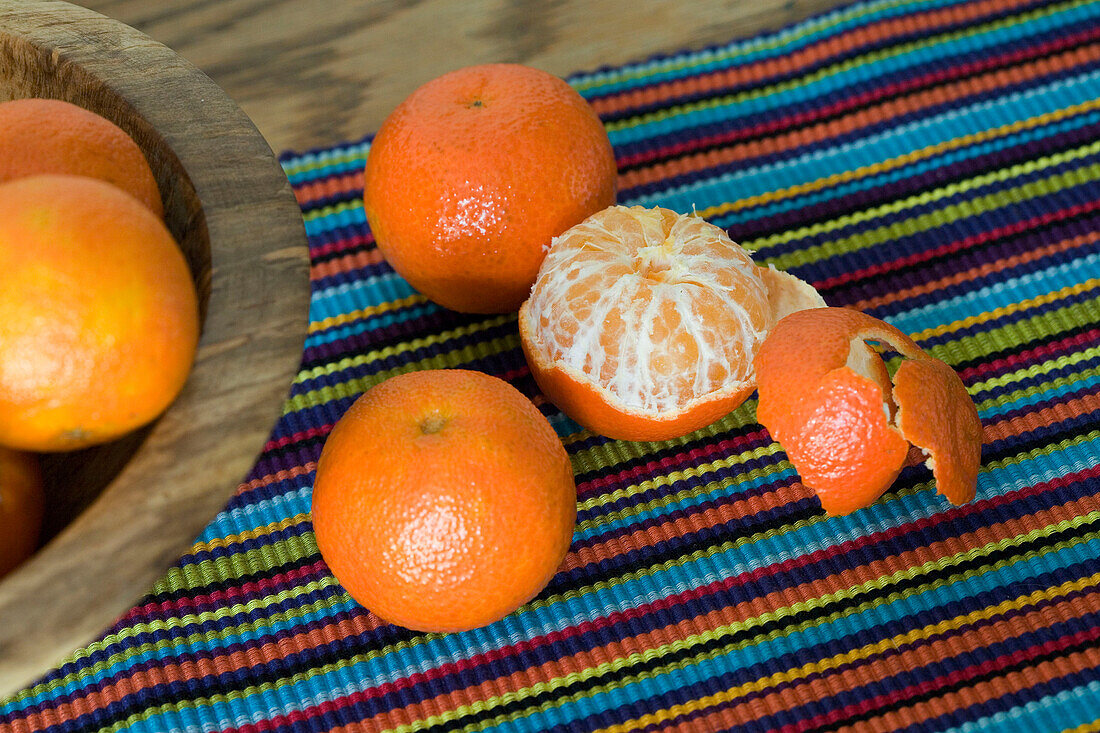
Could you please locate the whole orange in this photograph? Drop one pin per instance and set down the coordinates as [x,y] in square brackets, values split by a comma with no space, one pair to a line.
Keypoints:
[98,313]
[21,506]
[475,172]
[52,136]
[444,500]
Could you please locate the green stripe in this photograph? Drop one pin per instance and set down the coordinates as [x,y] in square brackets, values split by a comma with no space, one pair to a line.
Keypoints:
[881,583]
[1041,326]
[1009,198]
[732,53]
[819,602]
[867,60]
[468,330]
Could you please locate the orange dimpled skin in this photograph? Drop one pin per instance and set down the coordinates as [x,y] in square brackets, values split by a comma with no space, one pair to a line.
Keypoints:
[51,136]
[99,316]
[21,507]
[472,175]
[826,396]
[444,500]
[847,448]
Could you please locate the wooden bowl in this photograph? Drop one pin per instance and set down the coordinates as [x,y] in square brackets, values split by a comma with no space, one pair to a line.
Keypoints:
[121,514]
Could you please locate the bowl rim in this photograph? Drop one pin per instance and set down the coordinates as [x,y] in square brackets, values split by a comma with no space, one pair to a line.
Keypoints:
[243,367]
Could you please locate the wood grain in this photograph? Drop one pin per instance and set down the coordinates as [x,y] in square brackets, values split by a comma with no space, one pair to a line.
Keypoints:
[230,208]
[315,72]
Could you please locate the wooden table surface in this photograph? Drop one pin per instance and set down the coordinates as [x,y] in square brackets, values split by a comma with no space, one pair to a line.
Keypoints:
[315,72]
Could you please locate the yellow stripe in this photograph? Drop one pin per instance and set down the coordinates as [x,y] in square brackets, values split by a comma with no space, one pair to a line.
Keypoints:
[621,663]
[1093,727]
[373,310]
[401,348]
[1035,370]
[901,160]
[795,674]
[252,534]
[1005,310]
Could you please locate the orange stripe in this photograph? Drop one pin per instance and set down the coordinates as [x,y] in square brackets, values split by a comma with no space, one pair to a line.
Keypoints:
[277,476]
[197,667]
[983,691]
[858,672]
[338,185]
[800,58]
[952,646]
[980,271]
[1047,416]
[345,263]
[635,540]
[733,616]
[860,118]
[727,616]
[683,525]
[795,491]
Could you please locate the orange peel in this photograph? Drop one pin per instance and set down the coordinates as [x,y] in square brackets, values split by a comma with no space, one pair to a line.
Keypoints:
[827,397]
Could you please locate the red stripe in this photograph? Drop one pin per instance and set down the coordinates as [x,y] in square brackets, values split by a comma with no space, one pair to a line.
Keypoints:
[987,667]
[809,116]
[590,627]
[724,448]
[339,245]
[232,594]
[957,245]
[1036,355]
[298,437]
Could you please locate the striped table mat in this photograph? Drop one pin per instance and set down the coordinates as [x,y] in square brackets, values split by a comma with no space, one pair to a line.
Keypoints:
[936,164]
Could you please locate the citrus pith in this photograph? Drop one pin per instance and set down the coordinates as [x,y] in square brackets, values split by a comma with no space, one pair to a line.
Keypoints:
[643,323]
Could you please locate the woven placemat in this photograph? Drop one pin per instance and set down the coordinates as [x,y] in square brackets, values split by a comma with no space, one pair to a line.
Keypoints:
[935,164]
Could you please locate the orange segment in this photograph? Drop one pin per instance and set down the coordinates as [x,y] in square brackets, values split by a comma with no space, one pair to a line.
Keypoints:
[826,396]
[642,322]
[936,414]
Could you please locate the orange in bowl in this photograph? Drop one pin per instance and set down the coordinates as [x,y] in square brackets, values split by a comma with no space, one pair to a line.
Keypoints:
[470,177]
[99,316]
[52,136]
[643,323]
[444,500]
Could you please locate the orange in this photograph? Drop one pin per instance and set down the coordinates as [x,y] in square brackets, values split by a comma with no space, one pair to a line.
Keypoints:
[51,136]
[471,176]
[21,506]
[643,323]
[443,500]
[98,313]
[828,399]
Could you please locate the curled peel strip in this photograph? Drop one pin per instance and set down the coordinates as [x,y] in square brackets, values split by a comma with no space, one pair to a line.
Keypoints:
[826,396]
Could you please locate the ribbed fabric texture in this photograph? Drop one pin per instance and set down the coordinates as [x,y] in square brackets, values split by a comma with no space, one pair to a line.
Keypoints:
[935,164]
